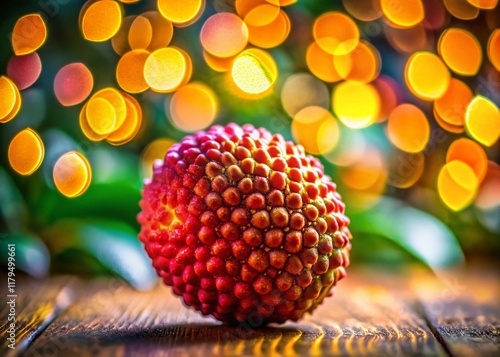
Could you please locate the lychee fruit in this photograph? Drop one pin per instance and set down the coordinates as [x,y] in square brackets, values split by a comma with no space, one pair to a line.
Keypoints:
[243,225]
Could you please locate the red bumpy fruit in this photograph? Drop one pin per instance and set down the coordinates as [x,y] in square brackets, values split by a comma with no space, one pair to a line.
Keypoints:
[244,225]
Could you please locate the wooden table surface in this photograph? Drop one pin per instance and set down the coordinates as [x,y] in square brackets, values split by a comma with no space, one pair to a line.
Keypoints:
[372,313]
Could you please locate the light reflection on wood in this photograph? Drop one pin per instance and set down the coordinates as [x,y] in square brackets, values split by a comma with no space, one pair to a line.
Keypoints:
[367,317]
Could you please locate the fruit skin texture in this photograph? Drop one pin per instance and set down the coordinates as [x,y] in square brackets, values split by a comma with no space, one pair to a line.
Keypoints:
[244,226]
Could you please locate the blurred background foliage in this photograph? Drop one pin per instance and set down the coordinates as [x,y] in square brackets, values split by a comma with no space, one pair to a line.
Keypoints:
[96,233]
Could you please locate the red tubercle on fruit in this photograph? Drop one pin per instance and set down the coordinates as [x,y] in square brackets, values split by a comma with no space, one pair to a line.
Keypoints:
[238,221]
[293,201]
[246,186]
[241,250]
[261,184]
[261,170]
[261,219]
[259,260]
[297,221]
[279,217]
[293,242]
[274,151]
[230,231]
[247,165]
[274,238]
[242,153]
[231,196]
[278,180]
[252,236]
[295,186]
[279,164]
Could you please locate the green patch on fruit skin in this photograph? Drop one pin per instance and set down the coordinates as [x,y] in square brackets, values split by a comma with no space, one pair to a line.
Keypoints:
[422,235]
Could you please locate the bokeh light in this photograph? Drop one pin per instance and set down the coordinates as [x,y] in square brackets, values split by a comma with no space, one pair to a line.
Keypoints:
[73,83]
[405,13]
[494,49]
[259,13]
[155,150]
[100,20]
[361,64]
[321,64]
[484,4]
[26,151]
[303,90]
[72,174]
[364,10]
[29,34]
[165,69]
[10,99]
[224,35]
[489,192]
[457,129]
[457,185]
[119,41]
[24,70]
[365,173]
[218,64]
[162,30]
[98,118]
[189,65]
[405,169]
[482,120]
[85,127]
[408,39]
[254,71]
[427,76]
[130,127]
[101,116]
[350,148]
[461,9]
[408,128]
[336,33]
[181,12]
[140,33]
[271,34]
[356,104]
[461,51]
[316,129]
[115,98]
[470,153]
[366,178]
[451,107]
[390,95]
[130,71]
[193,107]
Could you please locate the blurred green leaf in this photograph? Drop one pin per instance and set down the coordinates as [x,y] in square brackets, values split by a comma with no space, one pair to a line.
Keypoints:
[31,254]
[381,252]
[13,211]
[112,164]
[421,234]
[114,201]
[113,244]
[78,262]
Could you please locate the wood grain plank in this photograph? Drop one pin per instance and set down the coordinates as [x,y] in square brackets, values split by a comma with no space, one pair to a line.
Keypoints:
[37,304]
[464,311]
[368,316]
